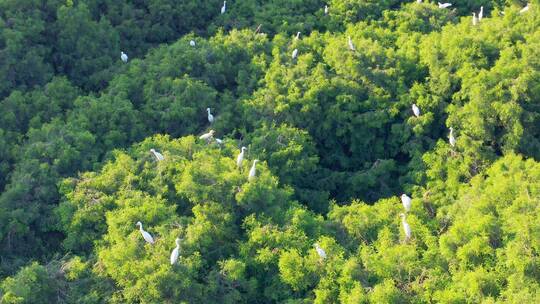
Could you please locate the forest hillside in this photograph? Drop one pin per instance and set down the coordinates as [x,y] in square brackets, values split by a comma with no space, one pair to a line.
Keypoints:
[269,151]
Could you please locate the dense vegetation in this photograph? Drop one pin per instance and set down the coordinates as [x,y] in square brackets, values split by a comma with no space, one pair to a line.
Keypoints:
[333,129]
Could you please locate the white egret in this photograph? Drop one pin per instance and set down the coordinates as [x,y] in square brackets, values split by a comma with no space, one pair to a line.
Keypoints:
[147,236]
[474,19]
[451,138]
[175,253]
[123,56]
[224,7]
[294,53]
[240,157]
[252,171]
[406,227]
[326,9]
[418,1]
[416,110]
[210,116]
[444,5]
[297,36]
[192,43]
[208,136]
[320,251]
[406,201]
[526,8]
[481,13]
[351,45]
[218,141]
[157,155]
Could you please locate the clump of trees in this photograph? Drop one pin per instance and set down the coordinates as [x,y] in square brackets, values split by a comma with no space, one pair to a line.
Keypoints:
[332,128]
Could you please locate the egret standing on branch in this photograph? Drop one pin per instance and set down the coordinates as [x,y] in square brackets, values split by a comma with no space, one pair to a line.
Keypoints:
[175,253]
[297,36]
[252,171]
[224,7]
[451,138]
[240,157]
[210,116]
[326,9]
[208,136]
[124,57]
[192,43]
[481,13]
[320,251]
[444,5]
[406,227]
[351,44]
[416,110]
[474,19]
[157,155]
[406,201]
[147,237]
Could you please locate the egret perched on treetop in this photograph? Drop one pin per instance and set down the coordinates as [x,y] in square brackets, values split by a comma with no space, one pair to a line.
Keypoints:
[240,157]
[474,19]
[252,171]
[208,136]
[210,116]
[444,5]
[294,53]
[451,137]
[297,36]
[326,9]
[123,56]
[406,201]
[224,7]
[320,251]
[351,44]
[157,155]
[192,43]
[175,253]
[416,110]
[147,237]
[526,8]
[481,13]
[406,227]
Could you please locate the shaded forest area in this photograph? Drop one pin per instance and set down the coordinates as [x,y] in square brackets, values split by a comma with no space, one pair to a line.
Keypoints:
[321,93]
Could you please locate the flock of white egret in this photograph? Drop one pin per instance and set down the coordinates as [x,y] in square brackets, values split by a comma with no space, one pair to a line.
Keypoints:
[239,161]
[208,137]
[475,20]
[159,157]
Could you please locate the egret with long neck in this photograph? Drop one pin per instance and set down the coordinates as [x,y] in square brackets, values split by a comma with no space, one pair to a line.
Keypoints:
[224,7]
[240,157]
[406,227]
[451,138]
[252,171]
[175,253]
[210,116]
[351,44]
[147,236]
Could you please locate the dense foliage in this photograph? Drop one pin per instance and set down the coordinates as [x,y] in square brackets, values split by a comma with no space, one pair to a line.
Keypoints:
[332,128]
